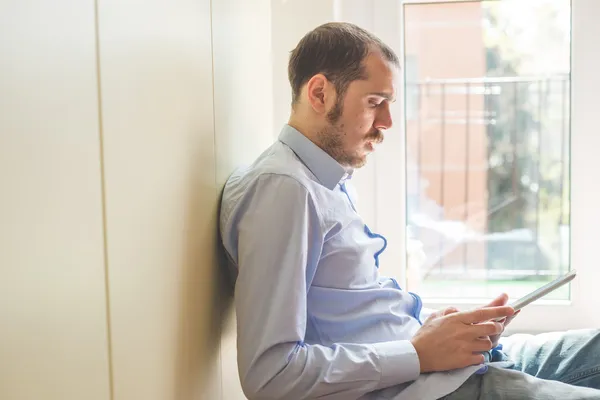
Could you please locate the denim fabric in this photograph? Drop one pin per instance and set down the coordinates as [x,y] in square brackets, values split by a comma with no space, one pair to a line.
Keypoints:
[549,366]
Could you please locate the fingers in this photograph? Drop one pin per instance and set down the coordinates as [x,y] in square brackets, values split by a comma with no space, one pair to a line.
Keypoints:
[476,359]
[486,329]
[482,344]
[509,319]
[485,314]
[499,301]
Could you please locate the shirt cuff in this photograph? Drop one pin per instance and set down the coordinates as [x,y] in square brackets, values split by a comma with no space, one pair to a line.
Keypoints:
[398,361]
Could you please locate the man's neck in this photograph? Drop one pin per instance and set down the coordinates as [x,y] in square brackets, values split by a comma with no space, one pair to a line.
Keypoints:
[307,129]
[310,132]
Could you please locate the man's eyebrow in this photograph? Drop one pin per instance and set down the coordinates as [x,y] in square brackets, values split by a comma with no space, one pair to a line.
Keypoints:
[386,96]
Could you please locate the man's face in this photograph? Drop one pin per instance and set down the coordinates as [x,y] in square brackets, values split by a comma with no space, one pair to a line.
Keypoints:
[355,123]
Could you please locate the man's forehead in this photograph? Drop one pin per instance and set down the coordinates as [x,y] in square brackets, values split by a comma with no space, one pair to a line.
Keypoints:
[382,77]
[376,61]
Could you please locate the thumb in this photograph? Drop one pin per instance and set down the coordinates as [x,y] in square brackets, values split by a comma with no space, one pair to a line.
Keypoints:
[498,301]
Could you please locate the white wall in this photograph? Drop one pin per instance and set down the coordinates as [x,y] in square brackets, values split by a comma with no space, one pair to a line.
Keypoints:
[161,197]
[115,142]
[53,335]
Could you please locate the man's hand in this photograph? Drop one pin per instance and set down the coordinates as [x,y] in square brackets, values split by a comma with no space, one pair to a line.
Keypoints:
[451,339]
[501,301]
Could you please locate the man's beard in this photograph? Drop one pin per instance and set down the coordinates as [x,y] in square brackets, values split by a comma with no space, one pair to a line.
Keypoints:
[331,140]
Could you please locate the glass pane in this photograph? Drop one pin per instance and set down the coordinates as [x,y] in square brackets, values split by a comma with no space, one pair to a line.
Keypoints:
[487,101]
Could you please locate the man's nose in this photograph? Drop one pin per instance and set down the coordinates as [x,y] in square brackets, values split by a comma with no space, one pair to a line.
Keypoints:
[384,117]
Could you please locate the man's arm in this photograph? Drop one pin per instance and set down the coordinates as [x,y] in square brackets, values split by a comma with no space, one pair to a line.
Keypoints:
[279,242]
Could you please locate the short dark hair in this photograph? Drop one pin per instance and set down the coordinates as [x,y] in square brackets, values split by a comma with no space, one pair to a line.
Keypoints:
[336,50]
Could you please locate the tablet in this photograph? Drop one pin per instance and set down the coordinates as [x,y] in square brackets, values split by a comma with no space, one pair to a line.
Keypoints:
[544,290]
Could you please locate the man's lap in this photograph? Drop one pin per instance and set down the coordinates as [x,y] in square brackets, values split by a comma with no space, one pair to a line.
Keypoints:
[507,384]
[540,367]
[571,357]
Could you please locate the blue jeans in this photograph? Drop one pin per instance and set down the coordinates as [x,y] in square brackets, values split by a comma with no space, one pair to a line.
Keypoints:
[563,366]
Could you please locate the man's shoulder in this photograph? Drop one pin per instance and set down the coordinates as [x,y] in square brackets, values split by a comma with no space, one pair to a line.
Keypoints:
[276,164]
[278,168]
[275,175]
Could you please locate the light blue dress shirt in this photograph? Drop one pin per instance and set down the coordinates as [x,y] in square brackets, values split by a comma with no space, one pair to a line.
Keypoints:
[314,317]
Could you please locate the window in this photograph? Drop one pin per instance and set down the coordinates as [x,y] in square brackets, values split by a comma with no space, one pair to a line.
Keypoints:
[488,149]
[505,199]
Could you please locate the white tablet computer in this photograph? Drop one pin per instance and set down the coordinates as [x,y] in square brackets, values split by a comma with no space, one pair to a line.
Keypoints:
[542,291]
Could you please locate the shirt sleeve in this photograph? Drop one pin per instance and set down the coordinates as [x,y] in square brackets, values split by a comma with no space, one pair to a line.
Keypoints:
[279,242]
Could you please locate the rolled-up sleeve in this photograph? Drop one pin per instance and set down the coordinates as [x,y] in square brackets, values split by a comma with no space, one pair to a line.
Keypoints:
[278,237]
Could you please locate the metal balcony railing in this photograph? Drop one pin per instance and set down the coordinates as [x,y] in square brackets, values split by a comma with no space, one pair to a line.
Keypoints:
[523,124]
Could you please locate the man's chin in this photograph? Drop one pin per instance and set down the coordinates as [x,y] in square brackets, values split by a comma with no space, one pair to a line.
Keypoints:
[359,162]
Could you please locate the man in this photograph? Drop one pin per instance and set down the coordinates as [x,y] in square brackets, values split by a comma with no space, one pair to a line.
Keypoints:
[315,319]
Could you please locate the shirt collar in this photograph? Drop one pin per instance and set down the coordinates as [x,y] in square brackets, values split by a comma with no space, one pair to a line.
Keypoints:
[328,171]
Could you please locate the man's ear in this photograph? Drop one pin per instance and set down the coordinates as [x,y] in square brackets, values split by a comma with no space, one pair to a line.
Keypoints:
[318,92]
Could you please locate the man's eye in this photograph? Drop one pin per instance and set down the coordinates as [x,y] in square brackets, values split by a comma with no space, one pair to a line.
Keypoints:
[374,103]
